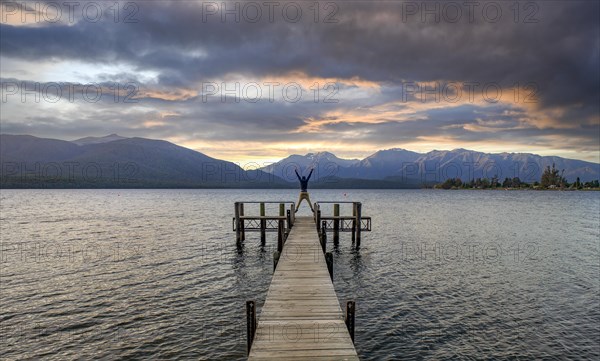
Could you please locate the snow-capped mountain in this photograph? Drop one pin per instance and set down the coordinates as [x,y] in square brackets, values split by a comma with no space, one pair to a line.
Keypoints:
[434,166]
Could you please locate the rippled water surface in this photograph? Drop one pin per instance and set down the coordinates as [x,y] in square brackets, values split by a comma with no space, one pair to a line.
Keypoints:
[111,274]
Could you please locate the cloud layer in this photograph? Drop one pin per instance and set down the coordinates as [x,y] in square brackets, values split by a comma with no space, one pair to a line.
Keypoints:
[351,77]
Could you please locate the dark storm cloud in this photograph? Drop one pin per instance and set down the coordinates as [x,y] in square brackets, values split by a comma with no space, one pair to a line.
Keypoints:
[559,54]
[375,41]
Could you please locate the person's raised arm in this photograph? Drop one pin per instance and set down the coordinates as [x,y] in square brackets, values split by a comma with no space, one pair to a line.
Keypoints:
[297,175]
[309,174]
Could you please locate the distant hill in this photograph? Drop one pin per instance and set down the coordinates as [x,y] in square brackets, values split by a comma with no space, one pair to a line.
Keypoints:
[326,164]
[400,165]
[23,148]
[118,162]
[380,165]
[29,161]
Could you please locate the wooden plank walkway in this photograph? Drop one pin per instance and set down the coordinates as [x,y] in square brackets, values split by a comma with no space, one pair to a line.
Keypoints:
[301,317]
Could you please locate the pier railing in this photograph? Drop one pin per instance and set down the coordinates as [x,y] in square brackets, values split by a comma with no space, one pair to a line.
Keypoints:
[262,222]
[283,221]
[337,223]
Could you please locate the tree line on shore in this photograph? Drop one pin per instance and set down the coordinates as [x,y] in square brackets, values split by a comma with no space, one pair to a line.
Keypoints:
[552,178]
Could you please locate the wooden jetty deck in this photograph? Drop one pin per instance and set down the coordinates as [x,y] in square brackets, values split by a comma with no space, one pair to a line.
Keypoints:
[302,317]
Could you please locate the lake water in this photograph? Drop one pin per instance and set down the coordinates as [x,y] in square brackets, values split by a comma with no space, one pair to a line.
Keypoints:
[111,274]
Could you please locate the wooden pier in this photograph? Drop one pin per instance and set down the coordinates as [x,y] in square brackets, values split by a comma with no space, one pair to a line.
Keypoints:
[301,317]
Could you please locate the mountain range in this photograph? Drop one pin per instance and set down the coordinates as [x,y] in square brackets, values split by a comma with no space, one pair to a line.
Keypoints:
[436,166]
[119,162]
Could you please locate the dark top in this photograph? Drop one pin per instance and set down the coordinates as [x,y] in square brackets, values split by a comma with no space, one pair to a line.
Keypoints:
[303,181]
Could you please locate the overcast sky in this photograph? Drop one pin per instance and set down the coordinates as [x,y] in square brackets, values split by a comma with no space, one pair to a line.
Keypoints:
[262,80]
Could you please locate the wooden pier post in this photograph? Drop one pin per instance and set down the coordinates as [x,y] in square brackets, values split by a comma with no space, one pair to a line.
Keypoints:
[263,224]
[280,232]
[354,222]
[293,213]
[329,261]
[238,230]
[250,323]
[318,219]
[324,236]
[358,223]
[242,226]
[281,226]
[288,218]
[336,224]
[276,256]
[350,313]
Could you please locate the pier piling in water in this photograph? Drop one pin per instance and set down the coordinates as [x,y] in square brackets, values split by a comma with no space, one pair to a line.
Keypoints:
[250,323]
[242,232]
[238,227]
[280,235]
[349,318]
[353,224]
[336,224]
[324,237]
[318,219]
[276,256]
[263,224]
[358,206]
[329,261]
